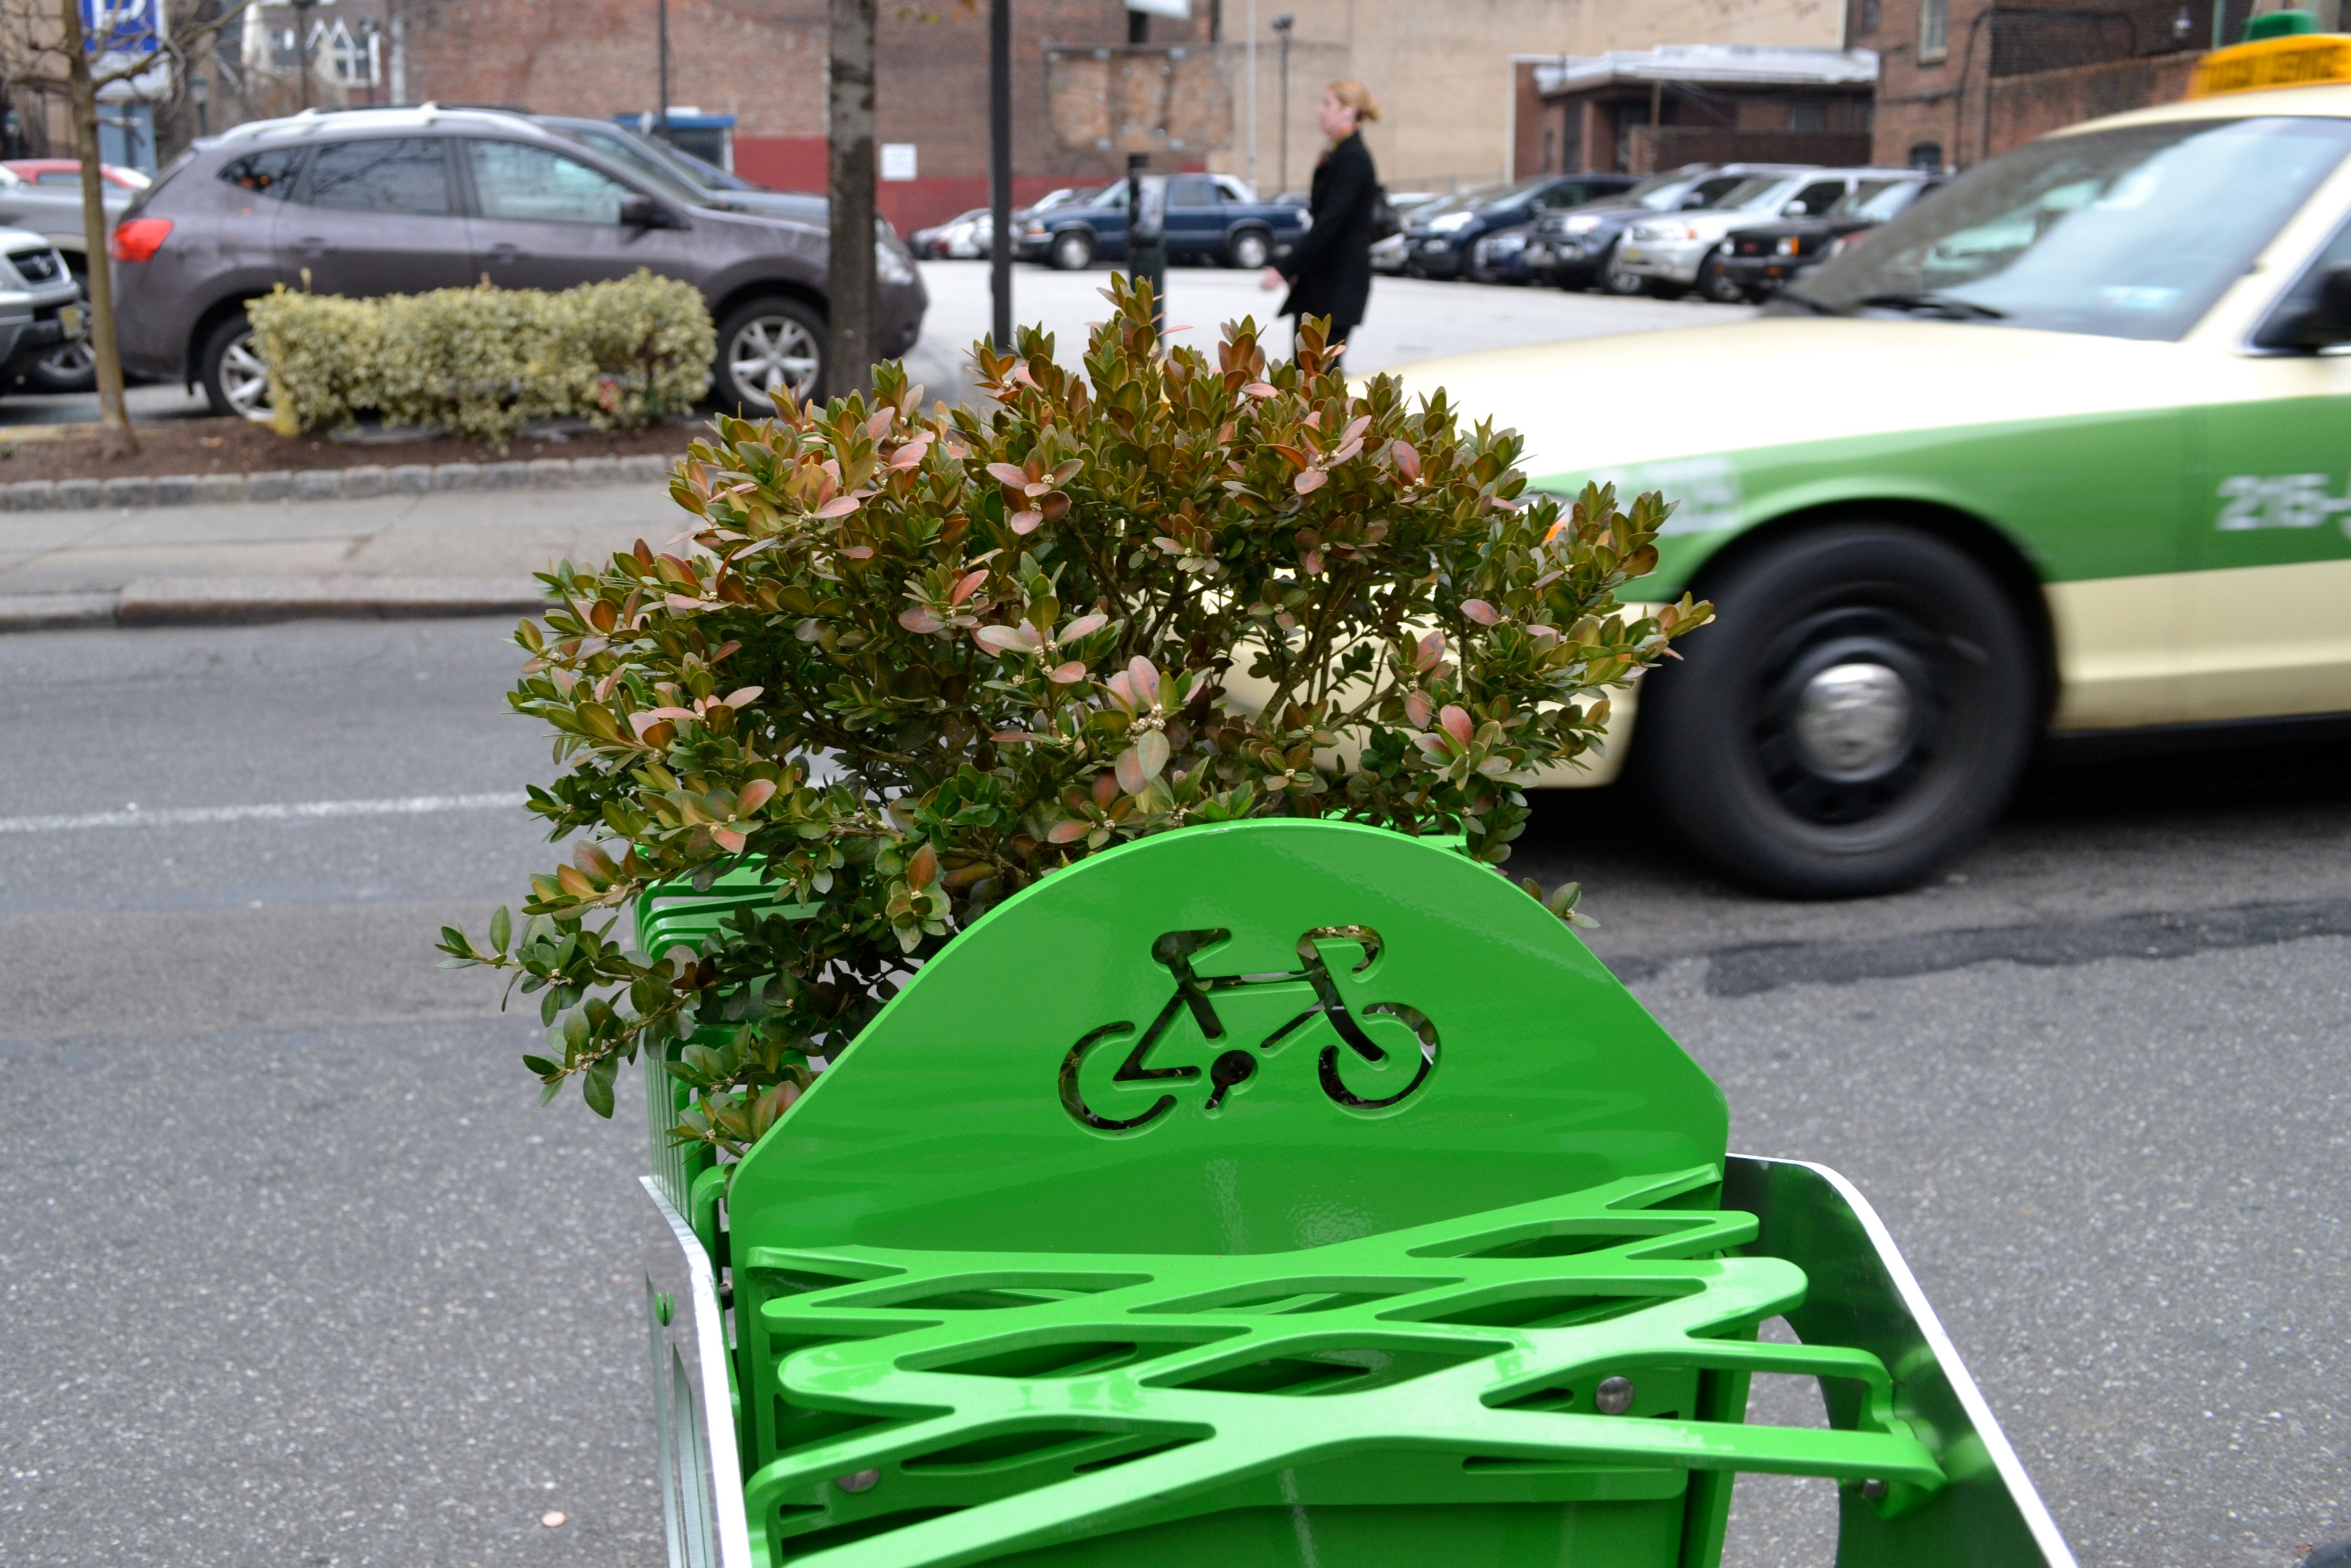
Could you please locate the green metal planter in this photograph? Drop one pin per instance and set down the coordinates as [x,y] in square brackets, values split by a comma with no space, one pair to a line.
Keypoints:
[1294,1194]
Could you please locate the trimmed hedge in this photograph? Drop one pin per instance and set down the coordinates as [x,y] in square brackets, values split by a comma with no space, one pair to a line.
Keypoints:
[482,362]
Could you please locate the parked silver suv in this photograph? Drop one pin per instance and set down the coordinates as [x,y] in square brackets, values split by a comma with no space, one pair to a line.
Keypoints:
[373,202]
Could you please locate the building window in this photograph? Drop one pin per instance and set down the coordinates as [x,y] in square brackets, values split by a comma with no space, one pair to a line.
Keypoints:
[1929,156]
[1550,148]
[1808,114]
[1934,30]
[1869,18]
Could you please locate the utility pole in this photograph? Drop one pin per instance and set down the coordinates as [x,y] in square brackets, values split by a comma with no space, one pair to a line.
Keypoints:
[999,171]
[1282,24]
[849,117]
[661,104]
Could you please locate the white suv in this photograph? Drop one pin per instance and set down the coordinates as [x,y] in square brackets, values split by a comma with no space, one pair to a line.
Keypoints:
[1677,250]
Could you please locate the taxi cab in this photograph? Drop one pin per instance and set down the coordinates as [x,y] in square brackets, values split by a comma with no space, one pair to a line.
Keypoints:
[2065,451]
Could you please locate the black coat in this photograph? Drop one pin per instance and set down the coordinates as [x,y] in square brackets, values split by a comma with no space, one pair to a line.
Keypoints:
[1330,270]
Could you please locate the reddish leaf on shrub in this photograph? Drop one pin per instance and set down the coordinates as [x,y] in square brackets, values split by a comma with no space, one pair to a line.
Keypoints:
[1068,830]
[919,620]
[1308,482]
[755,793]
[1129,770]
[1069,674]
[1481,612]
[839,506]
[1026,522]
[1457,725]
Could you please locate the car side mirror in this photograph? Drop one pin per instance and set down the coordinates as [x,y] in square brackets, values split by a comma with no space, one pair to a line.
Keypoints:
[1692,202]
[2327,322]
[645,212]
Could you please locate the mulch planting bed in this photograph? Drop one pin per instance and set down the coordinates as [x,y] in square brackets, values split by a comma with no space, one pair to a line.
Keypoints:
[240,446]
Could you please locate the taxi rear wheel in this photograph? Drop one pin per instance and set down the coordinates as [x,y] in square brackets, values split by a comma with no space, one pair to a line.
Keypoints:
[1859,713]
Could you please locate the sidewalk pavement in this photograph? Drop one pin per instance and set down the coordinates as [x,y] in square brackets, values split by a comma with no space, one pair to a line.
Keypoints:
[460,553]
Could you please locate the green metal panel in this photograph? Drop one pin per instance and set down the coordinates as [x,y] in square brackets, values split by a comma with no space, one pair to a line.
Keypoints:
[1300,1194]
[678,915]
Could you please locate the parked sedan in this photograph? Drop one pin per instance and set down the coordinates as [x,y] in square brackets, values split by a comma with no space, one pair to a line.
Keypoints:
[1438,237]
[396,201]
[1210,217]
[1577,248]
[67,171]
[961,237]
[40,306]
[681,174]
[1502,257]
[1766,258]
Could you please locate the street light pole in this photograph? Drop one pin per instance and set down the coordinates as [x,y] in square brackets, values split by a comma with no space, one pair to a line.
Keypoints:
[661,109]
[1282,24]
[999,171]
[1251,51]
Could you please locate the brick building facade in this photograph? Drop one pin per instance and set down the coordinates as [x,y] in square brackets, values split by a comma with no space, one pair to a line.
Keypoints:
[1963,80]
[763,62]
[1637,113]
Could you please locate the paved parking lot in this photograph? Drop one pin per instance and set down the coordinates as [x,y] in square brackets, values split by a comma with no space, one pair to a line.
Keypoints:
[1408,319]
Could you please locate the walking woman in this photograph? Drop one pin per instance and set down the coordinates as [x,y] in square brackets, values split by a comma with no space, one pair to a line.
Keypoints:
[1330,270]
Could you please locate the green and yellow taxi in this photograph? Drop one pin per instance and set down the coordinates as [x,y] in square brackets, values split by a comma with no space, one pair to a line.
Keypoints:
[2064,450]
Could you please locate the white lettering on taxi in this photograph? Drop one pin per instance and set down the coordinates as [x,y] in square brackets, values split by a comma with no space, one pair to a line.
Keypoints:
[2278,501]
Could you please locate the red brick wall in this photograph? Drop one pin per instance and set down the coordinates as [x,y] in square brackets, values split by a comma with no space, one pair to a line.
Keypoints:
[2024,106]
[763,61]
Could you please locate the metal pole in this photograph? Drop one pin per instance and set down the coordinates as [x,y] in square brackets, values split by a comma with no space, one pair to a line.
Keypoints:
[1282,25]
[1251,49]
[999,169]
[661,109]
[1145,258]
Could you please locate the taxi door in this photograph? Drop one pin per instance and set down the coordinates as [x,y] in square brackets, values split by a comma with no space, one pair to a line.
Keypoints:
[2269,603]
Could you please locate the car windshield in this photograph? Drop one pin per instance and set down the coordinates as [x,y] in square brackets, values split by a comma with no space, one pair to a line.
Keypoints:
[703,171]
[1761,190]
[640,159]
[1877,200]
[2129,232]
[1468,201]
[1685,195]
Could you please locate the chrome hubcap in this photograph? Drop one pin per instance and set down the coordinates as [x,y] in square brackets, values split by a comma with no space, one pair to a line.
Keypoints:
[773,354]
[1854,720]
[245,380]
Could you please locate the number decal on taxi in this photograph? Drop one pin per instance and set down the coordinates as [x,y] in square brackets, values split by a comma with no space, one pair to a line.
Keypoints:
[2277,501]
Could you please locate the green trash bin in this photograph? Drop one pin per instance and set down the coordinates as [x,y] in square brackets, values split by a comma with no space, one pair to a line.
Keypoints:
[1287,1193]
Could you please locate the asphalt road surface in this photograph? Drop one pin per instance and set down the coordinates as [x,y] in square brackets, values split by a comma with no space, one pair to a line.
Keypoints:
[295,1271]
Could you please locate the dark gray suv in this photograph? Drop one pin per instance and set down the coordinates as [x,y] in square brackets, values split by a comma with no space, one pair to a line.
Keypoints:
[371,202]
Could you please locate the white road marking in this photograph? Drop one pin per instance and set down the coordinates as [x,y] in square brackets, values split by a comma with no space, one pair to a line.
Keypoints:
[276,811]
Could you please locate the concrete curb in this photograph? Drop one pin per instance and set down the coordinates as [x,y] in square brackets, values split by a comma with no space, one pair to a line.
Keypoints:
[362,482]
[247,601]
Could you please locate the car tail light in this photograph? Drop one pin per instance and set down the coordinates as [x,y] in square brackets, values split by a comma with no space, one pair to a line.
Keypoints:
[138,239]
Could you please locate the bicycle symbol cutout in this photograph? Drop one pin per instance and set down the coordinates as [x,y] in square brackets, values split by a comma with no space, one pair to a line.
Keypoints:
[1194,996]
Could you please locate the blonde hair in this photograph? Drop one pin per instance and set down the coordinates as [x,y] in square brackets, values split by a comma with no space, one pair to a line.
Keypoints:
[1357,97]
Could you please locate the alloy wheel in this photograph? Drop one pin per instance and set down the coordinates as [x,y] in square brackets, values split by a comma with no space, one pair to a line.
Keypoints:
[245,380]
[772,354]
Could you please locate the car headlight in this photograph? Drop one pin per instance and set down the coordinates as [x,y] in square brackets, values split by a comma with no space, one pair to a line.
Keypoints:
[1452,222]
[1035,231]
[1502,245]
[889,265]
[1789,246]
[1584,225]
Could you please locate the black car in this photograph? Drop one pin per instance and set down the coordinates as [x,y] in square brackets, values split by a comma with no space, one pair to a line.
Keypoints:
[1439,238]
[1577,248]
[1766,258]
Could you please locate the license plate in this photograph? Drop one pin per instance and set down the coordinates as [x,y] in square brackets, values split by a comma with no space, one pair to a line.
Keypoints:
[69,317]
[1632,252]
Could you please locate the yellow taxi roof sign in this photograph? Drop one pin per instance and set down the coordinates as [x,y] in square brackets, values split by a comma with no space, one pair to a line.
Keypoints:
[2297,59]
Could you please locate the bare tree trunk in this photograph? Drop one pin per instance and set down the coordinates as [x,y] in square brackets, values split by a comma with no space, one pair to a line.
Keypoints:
[114,436]
[848,361]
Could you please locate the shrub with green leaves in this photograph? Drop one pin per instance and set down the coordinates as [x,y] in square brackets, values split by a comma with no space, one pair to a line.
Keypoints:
[910,663]
[484,362]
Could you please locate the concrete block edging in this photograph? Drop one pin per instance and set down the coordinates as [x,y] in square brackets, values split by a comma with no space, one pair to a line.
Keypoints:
[331,484]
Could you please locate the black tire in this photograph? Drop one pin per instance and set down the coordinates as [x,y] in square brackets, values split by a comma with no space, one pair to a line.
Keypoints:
[769,345]
[1249,250]
[234,380]
[1613,279]
[1859,714]
[69,368]
[1717,284]
[1073,250]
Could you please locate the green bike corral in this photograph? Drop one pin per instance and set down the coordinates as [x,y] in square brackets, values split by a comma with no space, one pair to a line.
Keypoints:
[1287,1193]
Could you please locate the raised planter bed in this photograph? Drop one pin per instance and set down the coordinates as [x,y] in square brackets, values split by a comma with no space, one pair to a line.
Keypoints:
[182,462]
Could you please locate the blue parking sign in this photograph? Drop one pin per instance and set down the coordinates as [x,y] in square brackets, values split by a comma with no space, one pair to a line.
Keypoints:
[122,27]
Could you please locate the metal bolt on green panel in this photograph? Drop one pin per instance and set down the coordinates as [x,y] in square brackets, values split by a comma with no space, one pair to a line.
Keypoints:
[1287,1193]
